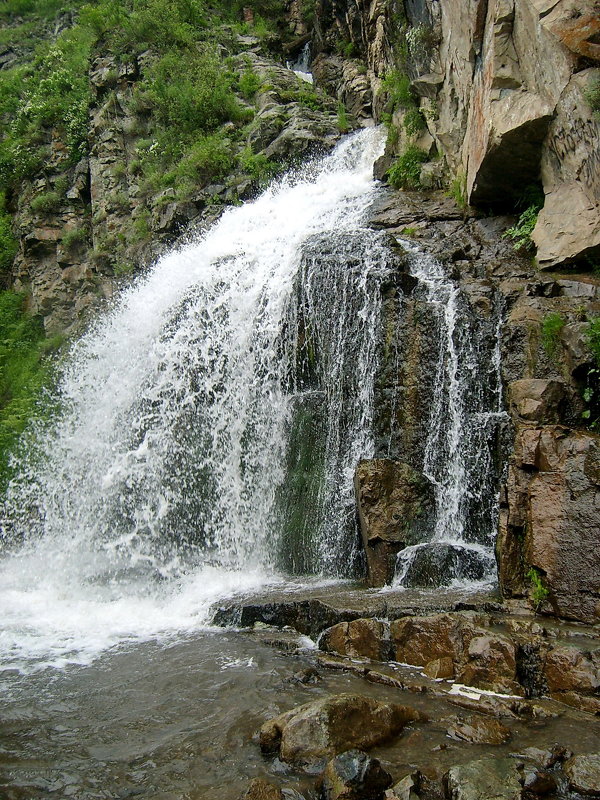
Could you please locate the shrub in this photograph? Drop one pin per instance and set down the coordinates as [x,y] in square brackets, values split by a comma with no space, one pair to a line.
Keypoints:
[258,166]
[248,83]
[405,172]
[540,592]
[46,203]
[521,232]
[342,118]
[74,237]
[397,86]
[414,122]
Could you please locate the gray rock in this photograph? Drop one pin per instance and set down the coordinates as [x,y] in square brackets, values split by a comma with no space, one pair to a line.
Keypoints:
[486,779]
[584,773]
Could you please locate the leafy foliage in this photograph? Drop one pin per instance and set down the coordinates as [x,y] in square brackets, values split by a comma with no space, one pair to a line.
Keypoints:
[520,233]
[405,172]
[592,95]
[540,592]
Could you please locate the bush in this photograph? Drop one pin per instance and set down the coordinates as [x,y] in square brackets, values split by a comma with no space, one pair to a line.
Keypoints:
[405,172]
[258,166]
[200,99]
[397,86]
[414,122]
[46,203]
[521,232]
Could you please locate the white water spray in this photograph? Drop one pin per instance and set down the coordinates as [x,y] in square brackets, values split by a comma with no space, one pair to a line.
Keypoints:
[154,492]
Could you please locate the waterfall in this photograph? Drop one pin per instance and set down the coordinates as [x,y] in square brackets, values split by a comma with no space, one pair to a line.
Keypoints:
[159,486]
[465,429]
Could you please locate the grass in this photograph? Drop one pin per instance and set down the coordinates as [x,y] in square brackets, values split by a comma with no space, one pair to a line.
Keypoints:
[552,326]
[540,592]
[24,371]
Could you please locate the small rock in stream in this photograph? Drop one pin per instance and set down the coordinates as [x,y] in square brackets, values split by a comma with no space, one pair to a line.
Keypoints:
[479,730]
[260,789]
[583,773]
[354,775]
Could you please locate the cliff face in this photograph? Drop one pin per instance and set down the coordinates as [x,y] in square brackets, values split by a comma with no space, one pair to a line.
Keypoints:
[503,89]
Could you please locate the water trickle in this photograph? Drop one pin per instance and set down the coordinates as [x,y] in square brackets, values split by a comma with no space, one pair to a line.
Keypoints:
[301,66]
[465,427]
[158,488]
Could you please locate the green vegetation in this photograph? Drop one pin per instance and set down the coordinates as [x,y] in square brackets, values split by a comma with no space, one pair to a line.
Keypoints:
[591,391]
[397,86]
[540,592]
[46,203]
[23,370]
[342,118]
[458,190]
[592,95]
[521,232]
[8,242]
[552,326]
[405,172]
[414,122]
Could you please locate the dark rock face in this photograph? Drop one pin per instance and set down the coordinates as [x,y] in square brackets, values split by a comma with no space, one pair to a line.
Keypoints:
[353,775]
[395,506]
[430,566]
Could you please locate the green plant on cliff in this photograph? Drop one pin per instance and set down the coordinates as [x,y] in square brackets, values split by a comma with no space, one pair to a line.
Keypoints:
[539,591]
[8,242]
[552,326]
[396,84]
[405,172]
[521,231]
[591,390]
[592,95]
[24,371]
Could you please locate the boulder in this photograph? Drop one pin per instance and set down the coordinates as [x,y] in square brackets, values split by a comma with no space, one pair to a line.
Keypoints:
[421,640]
[329,726]
[260,789]
[435,564]
[569,669]
[354,775]
[491,664]
[486,779]
[395,509]
[537,400]
[583,773]
[479,730]
[362,638]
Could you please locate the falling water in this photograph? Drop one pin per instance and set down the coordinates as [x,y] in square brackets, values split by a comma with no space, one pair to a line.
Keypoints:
[464,429]
[158,488]
[301,66]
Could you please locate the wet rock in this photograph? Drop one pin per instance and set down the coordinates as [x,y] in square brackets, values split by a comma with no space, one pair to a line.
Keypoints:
[421,640]
[440,668]
[260,789]
[395,507]
[431,565]
[569,669]
[354,775]
[479,730]
[332,725]
[491,664]
[486,779]
[540,782]
[363,638]
[406,789]
[537,400]
[583,773]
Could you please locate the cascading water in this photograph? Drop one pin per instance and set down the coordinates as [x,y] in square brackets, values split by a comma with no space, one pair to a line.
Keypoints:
[465,426]
[157,489]
[301,66]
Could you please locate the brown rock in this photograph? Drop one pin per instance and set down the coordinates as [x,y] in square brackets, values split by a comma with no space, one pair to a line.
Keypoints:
[537,400]
[583,773]
[479,730]
[421,640]
[332,725]
[395,504]
[362,638]
[486,779]
[440,668]
[569,669]
[260,789]
[491,664]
